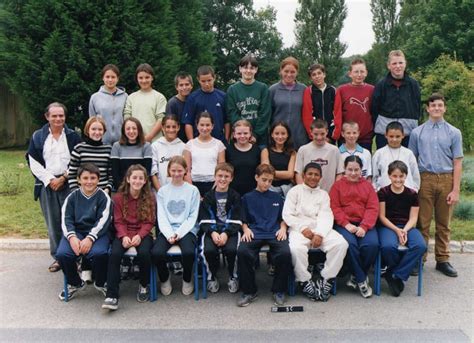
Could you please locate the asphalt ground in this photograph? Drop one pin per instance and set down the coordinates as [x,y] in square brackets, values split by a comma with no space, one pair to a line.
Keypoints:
[30,311]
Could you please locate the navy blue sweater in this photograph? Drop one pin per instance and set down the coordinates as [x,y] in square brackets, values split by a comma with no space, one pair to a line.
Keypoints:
[262,213]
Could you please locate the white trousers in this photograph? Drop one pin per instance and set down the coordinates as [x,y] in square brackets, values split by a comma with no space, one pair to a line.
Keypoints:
[334,245]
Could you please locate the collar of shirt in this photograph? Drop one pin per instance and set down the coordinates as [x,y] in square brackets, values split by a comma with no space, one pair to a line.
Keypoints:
[56,153]
[432,124]
[343,149]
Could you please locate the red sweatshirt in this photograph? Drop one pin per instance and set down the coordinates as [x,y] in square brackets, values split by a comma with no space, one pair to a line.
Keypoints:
[354,202]
[131,225]
[353,103]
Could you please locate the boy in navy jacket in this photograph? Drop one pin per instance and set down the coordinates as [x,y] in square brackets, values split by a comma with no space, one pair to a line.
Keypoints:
[263,225]
[85,215]
[220,220]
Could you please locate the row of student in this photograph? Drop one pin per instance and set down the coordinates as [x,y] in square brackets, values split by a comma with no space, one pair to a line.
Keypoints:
[240,227]
[395,97]
[132,149]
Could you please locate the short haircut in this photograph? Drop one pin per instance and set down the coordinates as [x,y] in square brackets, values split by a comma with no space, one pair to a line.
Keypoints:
[436,96]
[313,165]
[355,61]
[224,166]
[92,120]
[319,124]
[204,114]
[395,53]
[146,68]
[291,61]
[394,125]
[55,104]
[264,168]
[141,136]
[88,167]
[177,160]
[316,66]
[350,123]
[242,122]
[248,59]
[111,67]
[205,70]
[167,117]
[400,165]
[353,158]
[181,76]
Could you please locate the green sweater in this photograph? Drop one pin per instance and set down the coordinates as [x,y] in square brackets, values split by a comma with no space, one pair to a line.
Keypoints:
[250,102]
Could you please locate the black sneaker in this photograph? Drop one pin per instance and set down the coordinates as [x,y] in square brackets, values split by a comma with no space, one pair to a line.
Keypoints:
[110,304]
[395,285]
[143,294]
[72,291]
[102,289]
[177,268]
[246,299]
[446,268]
[323,288]
[309,289]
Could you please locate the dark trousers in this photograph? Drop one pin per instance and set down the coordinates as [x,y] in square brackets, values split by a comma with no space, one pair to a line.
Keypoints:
[362,252]
[381,141]
[143,259]
[400,263]
[159,255]
[212,257]
[203,187]
[247,255]
[51,203]
[99,254]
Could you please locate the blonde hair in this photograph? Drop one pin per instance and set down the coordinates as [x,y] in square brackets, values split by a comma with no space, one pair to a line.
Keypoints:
[92,120]
[348,124]
[177,160]
[395,53]
[242,122]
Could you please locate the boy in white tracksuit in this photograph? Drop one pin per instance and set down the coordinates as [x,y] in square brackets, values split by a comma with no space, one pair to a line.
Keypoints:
[308,214]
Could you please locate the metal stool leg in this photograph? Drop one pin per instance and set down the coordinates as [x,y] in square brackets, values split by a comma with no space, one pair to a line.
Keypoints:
[196,274]
[420,276]
[377,273]
[66,293]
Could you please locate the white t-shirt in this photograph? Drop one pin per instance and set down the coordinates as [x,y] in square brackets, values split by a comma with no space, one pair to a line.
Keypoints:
[204,157]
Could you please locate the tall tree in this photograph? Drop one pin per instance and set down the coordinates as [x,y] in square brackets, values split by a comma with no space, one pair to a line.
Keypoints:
[318,26]
[436,27]
[238,30]
[384,20]
[56,49]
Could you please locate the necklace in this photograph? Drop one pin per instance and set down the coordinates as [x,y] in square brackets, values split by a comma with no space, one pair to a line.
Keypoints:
[391,153]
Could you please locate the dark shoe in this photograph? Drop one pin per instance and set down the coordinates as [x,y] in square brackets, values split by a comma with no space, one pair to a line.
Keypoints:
[309,289]
[72,291]
[143,294]
[324,287]
[246,299]
[395,284]
[54,267]
[446,268]
[110,304]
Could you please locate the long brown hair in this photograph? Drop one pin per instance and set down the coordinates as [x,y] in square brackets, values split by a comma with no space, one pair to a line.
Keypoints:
[141,136]
[145,207]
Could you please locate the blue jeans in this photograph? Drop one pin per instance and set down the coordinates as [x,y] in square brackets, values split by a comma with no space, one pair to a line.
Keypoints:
[99,254]
[401,263]
[362,252]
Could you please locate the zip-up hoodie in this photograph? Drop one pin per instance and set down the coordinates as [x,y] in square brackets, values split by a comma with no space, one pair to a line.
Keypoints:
[307,207]
[208,213]
[162,151]
[110,106]
[323,108]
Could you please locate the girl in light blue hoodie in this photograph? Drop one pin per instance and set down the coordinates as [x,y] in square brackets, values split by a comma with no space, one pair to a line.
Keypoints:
[178,208]
[109,102]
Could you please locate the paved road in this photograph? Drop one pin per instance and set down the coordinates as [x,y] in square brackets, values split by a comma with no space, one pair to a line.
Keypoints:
[31,311]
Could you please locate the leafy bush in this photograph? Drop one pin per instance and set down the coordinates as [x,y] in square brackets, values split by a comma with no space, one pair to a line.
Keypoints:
[464,210]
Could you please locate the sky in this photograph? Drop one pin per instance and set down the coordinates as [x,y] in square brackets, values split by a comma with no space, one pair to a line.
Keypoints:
[357,31]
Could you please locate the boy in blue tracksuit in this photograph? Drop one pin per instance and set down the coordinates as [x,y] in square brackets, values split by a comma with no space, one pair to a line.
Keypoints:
[220,221]
[263,225]
[85,220]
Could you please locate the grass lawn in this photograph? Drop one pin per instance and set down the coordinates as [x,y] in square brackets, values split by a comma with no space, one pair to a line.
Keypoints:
[20,215]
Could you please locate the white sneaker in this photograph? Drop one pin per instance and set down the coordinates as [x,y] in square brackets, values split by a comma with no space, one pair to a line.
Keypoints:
[365,289]
[233,285]
[188,288]
[213,286]
[351,282]
[86,276]
[166,287]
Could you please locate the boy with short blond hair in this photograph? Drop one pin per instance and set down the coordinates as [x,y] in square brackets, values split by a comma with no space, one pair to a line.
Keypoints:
[350,133]
[394,151]
[220,221]
[263,225]
[353,102]
[321,152]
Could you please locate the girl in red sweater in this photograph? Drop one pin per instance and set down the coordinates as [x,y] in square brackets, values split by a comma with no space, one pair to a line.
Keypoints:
[355,207]
[134,217]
